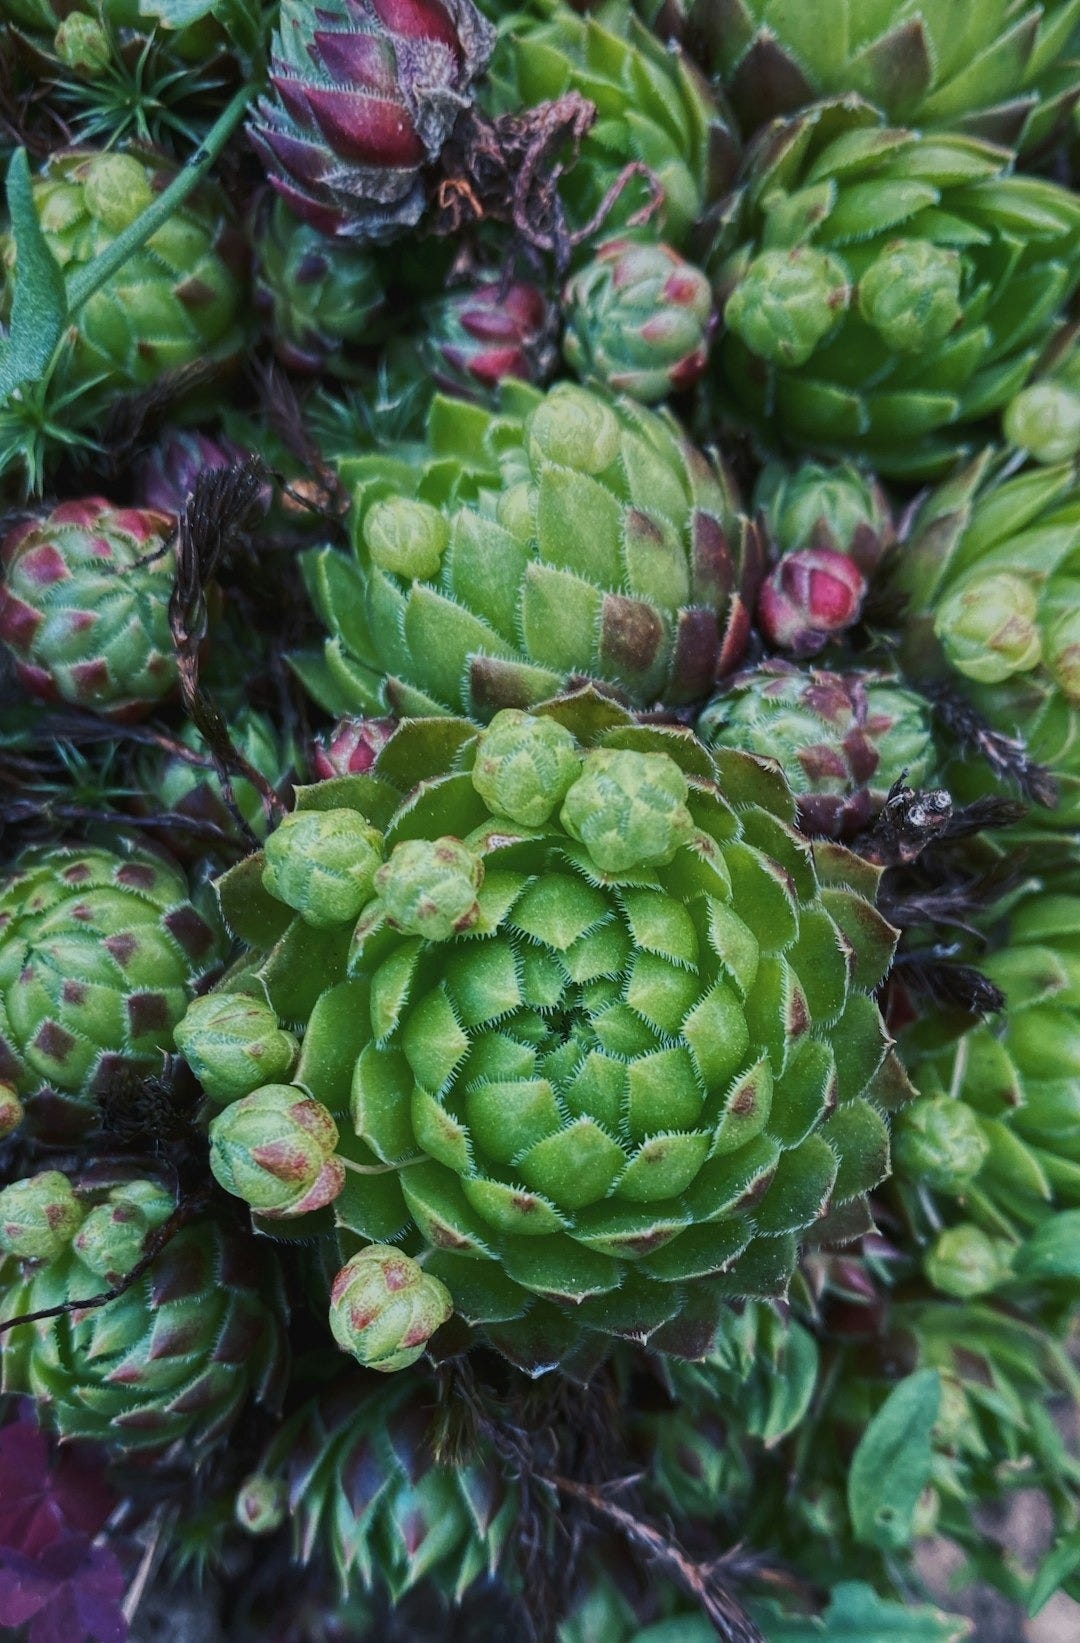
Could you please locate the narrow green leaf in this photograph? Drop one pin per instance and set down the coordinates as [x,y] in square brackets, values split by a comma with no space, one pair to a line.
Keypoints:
[39,307]
[891,1466]
[1055,1568]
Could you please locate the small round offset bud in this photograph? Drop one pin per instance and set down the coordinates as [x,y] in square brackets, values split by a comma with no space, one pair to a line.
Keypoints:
[39,1216]
[1044,420]
[150,1198]
[938,1143]
[574,429]
[322,863]
[275,1150]
[351,748]
[233,1043]
[524,766]
[428,887]
[964,1262]
[628,809]
[117,189]
[639,318]
[262,1504]
[475,339]
[12,1111]
[111,1239]
[811,596]
[406,537]
[384,1308]
[81,43]
[787,302]
[910,294]
[837,506]
[988,628]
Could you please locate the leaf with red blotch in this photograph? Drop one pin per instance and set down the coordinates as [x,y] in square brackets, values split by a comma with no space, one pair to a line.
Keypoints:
[71,1593]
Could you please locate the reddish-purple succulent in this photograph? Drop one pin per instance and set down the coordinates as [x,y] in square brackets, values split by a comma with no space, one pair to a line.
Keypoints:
[476,338]
[365,93]
[167,474]
[810,597]
[351,748]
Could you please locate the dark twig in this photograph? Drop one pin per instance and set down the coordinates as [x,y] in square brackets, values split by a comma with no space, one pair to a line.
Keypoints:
[158,1240]
[909,821]
[700,1580]
[1006,756]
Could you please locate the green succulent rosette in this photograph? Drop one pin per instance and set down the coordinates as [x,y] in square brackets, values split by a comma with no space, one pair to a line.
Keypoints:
[321,297]
[191,787]
[100,952]
[564,537]
[363,1486]
[166,1365]
[654,110]
[1000,69]
[990,580]
[175,303]
[1008,1087]
[608,1060]
[884,290]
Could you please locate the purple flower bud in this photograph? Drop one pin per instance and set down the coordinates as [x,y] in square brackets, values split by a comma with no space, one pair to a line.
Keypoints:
[166,476]
[351,748]
[479,337]
[810,596]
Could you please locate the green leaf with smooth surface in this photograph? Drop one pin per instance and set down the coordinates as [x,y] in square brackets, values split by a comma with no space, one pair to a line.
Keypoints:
[856,1614]
[39,306]
[1054,1250]
[891,1466]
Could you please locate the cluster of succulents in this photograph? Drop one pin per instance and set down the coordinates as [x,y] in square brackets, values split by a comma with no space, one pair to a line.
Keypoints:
[539,775]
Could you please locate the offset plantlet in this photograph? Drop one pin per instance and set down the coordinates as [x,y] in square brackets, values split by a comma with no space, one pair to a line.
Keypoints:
[384,1308]
[565,537]
[612,1079]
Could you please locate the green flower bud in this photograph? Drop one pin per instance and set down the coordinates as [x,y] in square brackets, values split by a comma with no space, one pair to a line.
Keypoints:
[817,505]
[428,887]
[988,628]
[628,809]
[1044,420]
[12,1111]
[384,1308]
[787,302]
[910,294]
[82,44]
[1062,645]
[964,1262]
[262,1504]
[405,537]
[39,1216]
[233,1043]
[574,429]
[524,766]
[322,863]
[275,1149]
[938,1143]
[117,189]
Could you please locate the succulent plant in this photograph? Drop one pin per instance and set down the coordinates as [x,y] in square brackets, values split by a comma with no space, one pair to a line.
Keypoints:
[233,1044]
[39,1216]
[989,576]
[991,68]
[606,1053]
[839,506]
[364,95]
[563,537]
[175,303]
[1006,1090]
[99,953]
[384,1308]
[84,606]
[320,298]
[811,596]
[167,1364]
[363,1485]
[639,320]
[351,747]
[654,110]
[167,474]
[883,291]
[191,787]
[475,338]
[275,1149]
[841,739]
